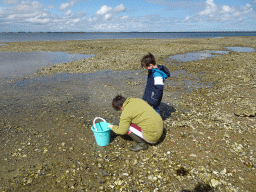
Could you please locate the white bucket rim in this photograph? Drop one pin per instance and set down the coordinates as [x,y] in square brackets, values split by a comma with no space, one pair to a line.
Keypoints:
[95,120]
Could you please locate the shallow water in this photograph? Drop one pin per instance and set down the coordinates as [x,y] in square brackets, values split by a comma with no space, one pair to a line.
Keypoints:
[76,93]
[64,36]
[207,53]
[241,49]
[84,95]
[20,64]
[196,55]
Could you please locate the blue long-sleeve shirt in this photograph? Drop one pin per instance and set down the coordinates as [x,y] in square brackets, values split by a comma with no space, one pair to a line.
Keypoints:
[155,85]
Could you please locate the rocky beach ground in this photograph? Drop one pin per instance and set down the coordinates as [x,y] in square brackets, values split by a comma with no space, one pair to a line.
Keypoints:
[208,109]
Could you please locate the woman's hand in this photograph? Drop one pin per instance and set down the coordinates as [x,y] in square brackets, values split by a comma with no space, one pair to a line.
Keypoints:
[110,126]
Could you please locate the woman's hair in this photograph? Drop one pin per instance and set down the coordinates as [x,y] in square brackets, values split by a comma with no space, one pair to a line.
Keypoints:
[147,60]
[118,102]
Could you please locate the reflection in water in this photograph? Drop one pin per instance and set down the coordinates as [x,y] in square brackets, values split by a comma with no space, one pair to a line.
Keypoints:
[19,65]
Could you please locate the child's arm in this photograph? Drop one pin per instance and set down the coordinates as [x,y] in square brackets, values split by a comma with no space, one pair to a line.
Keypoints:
[159,87]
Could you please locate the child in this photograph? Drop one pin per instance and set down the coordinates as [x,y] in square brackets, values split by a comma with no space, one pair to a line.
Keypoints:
[140,121]
[155,83]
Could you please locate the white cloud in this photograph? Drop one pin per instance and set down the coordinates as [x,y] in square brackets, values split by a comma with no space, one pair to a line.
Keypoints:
[37,20]
[107,16]
[210,8]
[1,11]
[214,13]
[26,12]
[125,17]
[68,13]
[51,7]
[77,20]
[66,6]
[104,10]
[227,10]
[178,4]
[186,19]
[11,17]
[91,19]
[108,12]
[120,8]
[27,7]
[34,16]
[11,2]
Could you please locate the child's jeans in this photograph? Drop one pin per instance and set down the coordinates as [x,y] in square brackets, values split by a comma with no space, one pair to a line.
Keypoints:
[156,109]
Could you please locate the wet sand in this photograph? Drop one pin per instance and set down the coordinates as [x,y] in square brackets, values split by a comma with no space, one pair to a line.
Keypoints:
[208,109]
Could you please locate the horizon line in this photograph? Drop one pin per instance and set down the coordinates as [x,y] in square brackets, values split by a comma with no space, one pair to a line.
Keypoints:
[127,32]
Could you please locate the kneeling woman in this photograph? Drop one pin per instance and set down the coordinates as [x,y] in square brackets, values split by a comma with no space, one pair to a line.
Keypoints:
[139,120]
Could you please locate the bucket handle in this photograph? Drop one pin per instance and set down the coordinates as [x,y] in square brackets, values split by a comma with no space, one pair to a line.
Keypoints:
[95,120]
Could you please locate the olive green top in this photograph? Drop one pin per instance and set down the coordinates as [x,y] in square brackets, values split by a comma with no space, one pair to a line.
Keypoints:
[139,112]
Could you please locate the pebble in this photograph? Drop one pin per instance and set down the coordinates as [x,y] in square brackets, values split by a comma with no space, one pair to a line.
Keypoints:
[214,182]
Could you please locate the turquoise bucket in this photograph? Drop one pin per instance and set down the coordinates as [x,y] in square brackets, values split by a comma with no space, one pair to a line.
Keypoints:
[101,132]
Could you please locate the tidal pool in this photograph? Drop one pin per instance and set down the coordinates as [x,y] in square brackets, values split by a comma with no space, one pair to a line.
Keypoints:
[196,55]
[86,91]
[89,94]
[21,64]
[207,53]
[241,49]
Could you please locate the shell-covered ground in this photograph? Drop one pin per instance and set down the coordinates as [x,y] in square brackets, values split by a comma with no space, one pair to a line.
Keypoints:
[208,109]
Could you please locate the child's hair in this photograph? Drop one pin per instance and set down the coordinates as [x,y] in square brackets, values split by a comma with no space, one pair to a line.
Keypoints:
[118,102]
[147,60]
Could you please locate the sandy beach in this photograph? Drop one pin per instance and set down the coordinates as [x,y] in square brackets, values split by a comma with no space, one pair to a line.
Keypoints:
[208,109]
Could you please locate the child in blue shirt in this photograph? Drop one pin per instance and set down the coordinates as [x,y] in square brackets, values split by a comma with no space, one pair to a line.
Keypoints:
[155,83]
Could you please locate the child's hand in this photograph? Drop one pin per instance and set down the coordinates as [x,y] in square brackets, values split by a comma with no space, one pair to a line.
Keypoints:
[110,126]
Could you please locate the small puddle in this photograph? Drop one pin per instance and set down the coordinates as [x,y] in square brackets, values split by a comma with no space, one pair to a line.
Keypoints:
[21,64]
[193,56]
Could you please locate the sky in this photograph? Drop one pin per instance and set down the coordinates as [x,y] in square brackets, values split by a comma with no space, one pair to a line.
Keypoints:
[127,15]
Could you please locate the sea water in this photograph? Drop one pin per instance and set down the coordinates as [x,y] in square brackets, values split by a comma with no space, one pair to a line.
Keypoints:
[63,36]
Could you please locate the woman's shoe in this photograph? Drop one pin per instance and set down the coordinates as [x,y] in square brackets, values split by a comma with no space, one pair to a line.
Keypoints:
[139,146]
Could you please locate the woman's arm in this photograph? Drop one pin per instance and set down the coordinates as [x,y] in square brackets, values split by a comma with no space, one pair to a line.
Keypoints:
[124,124]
